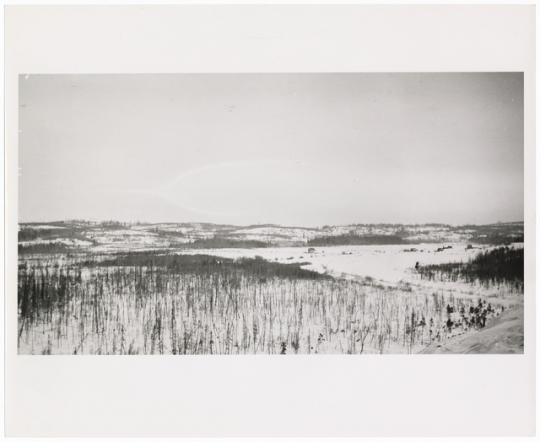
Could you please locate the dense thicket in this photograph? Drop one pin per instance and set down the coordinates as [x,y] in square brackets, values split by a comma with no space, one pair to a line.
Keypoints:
[30,234]
[44,248]
[219,242]
[206,264]
[496,239]
[356,240]
[501,265]
[26,234]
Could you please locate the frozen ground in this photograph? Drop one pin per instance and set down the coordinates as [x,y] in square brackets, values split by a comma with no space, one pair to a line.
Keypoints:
[503,334]
[390,263]
[385,272]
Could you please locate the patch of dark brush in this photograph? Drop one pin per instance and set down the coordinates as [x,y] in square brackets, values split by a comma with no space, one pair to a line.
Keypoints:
[501,265]
[50,248]
[219,242]
[356,240]
[207,264]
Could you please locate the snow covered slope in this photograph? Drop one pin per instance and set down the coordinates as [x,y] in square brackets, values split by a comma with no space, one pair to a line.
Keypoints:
[503,334]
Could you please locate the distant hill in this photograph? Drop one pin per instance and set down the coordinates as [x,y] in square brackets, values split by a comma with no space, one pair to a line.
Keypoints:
[79,235]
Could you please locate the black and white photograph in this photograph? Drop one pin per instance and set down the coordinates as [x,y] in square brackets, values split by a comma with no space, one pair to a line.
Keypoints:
[271,214]
[270,220]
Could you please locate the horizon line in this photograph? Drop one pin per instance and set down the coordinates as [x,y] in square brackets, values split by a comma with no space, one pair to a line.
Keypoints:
[262,224]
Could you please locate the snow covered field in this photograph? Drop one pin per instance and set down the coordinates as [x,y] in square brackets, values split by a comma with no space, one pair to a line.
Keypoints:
[392,263]
[376,303]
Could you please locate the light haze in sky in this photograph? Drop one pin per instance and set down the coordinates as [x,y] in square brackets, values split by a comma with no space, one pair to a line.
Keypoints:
[291,149]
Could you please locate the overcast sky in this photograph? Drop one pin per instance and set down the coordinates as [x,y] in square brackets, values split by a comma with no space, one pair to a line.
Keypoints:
[292,149]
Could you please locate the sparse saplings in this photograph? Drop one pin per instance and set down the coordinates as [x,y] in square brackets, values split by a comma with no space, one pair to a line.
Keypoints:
[149,303]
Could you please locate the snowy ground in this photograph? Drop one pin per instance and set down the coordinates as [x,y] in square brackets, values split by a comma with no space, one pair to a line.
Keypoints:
[503,335]
[385,263]
[391,266]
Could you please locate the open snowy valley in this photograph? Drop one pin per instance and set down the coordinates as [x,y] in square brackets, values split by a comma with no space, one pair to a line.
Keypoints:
[108,288]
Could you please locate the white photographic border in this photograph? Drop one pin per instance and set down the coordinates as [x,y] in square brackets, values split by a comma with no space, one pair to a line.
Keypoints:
[267,396]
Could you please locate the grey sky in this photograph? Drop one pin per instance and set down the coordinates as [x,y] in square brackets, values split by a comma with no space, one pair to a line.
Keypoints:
[293,149]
